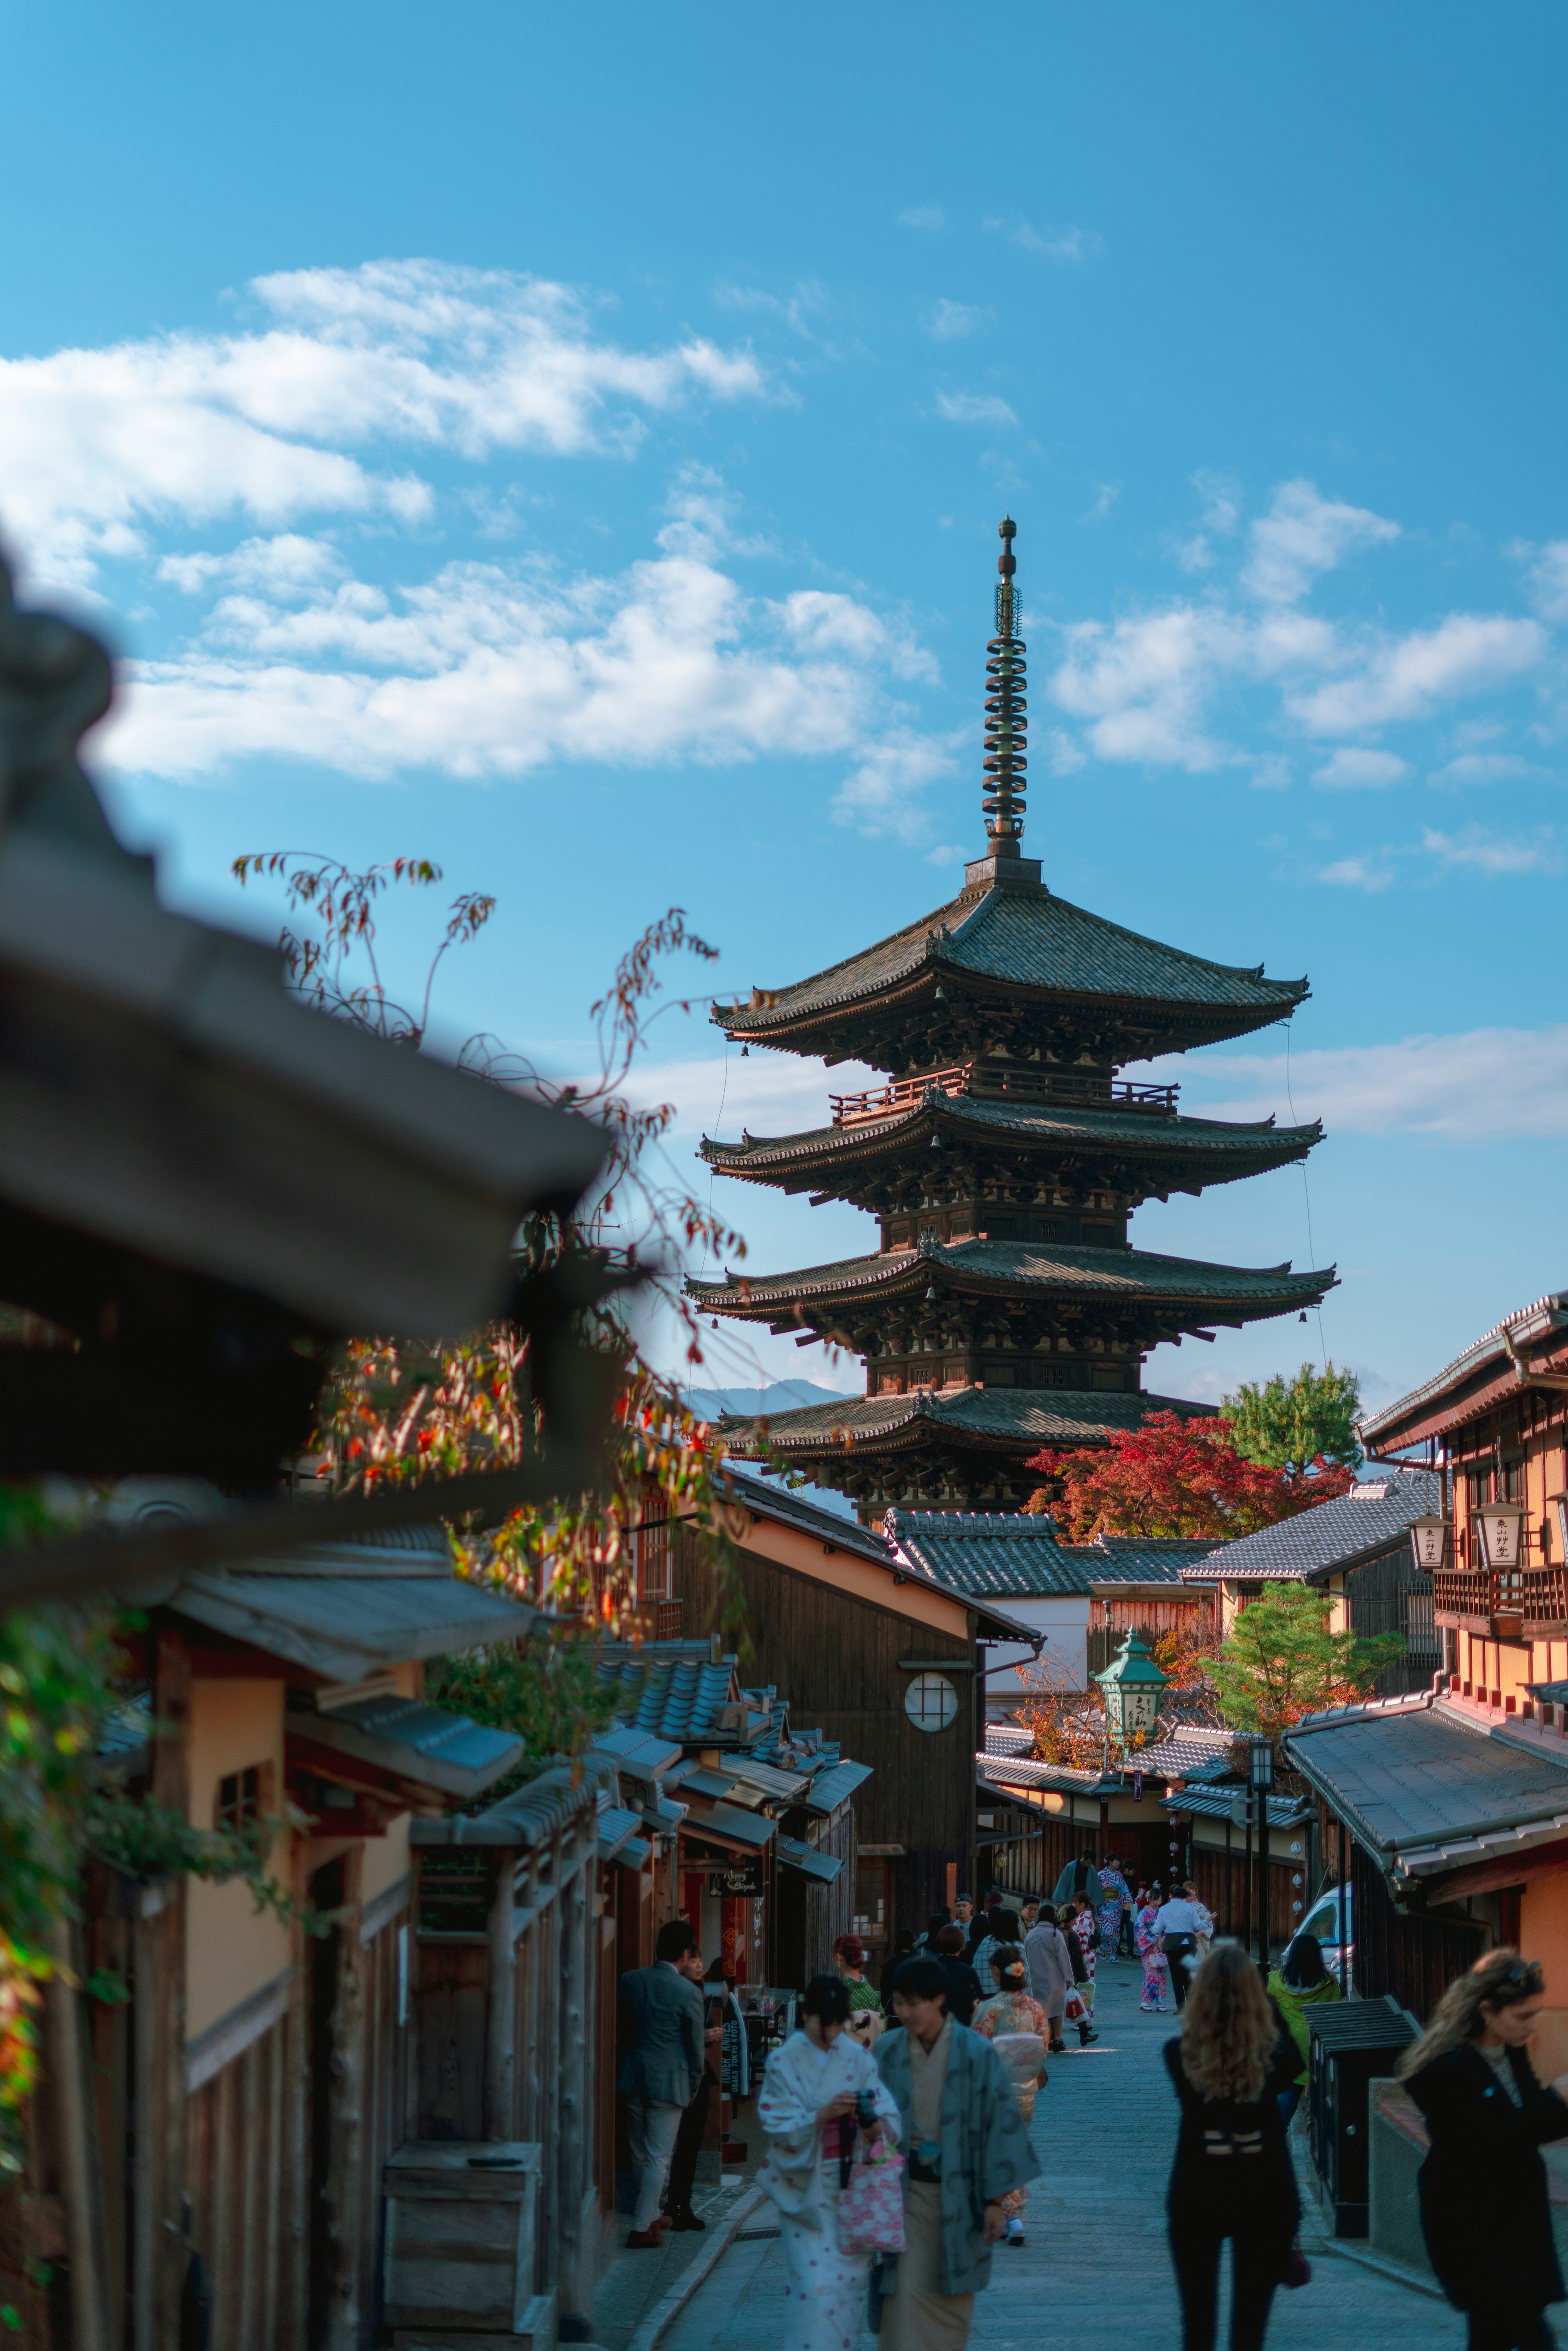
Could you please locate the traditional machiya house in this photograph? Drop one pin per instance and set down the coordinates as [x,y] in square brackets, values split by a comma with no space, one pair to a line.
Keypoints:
[255,2081]
[889,1666]
[1176,1811]
[1004,1307]
[1445,1811]
[1356,1550]
[1497,1420]
[1079,1599]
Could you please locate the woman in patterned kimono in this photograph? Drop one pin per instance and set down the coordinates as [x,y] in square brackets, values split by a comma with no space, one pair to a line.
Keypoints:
[1010,2009]
[1086,1926]
[1146,1934]
[1116,1900]
[817,2086]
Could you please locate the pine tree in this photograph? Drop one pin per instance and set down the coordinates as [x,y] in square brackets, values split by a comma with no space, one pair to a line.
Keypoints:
[1288,1425]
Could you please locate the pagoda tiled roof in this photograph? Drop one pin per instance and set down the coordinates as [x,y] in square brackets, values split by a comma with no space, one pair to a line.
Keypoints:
[996,1419]
[1115,1274]
[1027,938]
[1044,1126]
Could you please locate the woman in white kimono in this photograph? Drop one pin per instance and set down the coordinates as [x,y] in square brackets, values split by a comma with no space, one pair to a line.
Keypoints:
[815,2086]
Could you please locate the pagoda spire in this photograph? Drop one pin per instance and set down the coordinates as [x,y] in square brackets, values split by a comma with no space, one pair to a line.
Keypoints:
[1006,724]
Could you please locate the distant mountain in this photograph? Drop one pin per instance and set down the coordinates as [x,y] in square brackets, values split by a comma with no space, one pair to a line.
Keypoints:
[782,1395]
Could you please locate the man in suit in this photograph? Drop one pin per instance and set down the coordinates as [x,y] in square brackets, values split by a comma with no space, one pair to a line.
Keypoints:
[661,2071]
[693,2122]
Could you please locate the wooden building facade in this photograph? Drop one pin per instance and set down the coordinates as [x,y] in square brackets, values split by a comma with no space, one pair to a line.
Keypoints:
[890,1666]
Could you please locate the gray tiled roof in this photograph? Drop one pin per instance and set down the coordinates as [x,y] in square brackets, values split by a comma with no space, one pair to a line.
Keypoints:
[1071,1125]
[1036,940]
[1016,1555]
[1120,1273]
[1410,1774]
[1332,1534]
[1190,1749]
[676,1698]
[1042,1415]
[1213,1804]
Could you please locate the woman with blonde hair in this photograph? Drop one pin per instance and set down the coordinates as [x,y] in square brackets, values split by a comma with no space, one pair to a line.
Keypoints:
[1483,2187]
[1232,2176]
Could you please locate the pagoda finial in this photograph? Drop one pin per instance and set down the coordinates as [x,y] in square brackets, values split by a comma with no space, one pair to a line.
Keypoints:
[1006,724]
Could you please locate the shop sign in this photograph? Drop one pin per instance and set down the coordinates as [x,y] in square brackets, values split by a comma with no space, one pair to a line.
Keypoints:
[744,1881]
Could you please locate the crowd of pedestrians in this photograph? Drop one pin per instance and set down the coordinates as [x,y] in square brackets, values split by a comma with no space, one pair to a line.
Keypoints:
[897,2117]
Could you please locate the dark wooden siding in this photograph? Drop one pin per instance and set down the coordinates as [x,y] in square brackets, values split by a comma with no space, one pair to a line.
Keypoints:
[1416,1955]
[834,1659]
[238,2143]
[1380,1593]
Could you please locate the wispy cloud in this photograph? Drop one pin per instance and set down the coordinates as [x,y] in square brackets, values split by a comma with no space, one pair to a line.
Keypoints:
[1349,770]
[1495,855]
[949,322]
[1304,534]
[1221,514]
[922,216]
[1370,874]
[98,446]
[1409,677]
[1546,571]
[1067,244]
[1478,1086]
[1484,768]
[883,795]
[974,408]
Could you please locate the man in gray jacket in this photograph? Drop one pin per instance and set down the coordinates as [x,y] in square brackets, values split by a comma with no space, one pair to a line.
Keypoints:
[661,2014]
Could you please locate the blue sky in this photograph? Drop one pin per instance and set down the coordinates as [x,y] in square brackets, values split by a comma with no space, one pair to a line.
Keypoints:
[570,447]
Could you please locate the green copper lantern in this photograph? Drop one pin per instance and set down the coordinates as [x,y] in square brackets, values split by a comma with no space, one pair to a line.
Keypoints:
[1133,1685]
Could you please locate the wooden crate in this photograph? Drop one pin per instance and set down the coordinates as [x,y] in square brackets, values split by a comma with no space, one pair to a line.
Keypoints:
[460,2226]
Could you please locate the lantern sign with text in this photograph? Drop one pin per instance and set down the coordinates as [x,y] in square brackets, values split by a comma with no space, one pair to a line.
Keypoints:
[1501,1528]
[1133,1685]
[1429,1543]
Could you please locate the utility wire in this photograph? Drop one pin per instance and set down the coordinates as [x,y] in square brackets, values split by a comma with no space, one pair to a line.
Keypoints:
[1307,1194]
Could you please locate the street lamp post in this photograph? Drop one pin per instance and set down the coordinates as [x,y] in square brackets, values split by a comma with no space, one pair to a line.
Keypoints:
[1261,1778]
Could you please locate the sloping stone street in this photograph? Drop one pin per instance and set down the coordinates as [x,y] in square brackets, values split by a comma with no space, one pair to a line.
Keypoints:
[1095,2265]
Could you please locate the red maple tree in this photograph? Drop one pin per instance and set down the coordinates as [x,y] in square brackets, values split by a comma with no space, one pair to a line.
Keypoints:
[1174,1476]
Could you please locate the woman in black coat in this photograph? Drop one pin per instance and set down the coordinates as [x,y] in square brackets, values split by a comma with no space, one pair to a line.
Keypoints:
[1232,2175]
[1483,2187]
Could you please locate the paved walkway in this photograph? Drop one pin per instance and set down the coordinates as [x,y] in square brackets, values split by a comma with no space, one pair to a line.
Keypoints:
[1095,2265]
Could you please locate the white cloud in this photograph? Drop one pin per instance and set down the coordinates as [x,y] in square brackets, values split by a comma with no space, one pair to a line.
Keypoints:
[486,669]
[1409,677]
[1350,771]
[1496,855]
[1369,874]
[974,408]
[951,321]
[1482,1086]
[922,216]
[1304,534]
[883,795]
[1144,683]
[97,447]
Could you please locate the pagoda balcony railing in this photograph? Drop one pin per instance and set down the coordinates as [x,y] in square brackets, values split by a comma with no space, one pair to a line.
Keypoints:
[1509,1599]
[989,1082]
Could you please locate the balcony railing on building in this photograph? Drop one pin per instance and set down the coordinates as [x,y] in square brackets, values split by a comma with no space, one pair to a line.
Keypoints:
[986,1081]
[1508,1600]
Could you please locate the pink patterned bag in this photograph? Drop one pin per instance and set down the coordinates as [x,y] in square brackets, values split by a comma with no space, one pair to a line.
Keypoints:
[870,2208]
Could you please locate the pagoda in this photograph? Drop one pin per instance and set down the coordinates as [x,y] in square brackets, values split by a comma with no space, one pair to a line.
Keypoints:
[1005,1308]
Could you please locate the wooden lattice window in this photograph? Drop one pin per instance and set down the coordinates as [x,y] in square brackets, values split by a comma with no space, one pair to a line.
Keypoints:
[243,1797]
